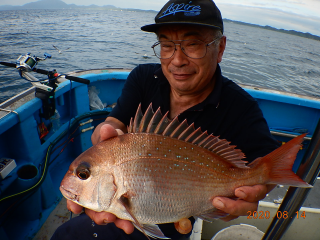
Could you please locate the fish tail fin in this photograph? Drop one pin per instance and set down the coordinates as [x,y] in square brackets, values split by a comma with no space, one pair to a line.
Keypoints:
[280,162]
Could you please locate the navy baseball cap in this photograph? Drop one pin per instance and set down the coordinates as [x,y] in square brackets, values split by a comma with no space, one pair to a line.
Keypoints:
[196,12]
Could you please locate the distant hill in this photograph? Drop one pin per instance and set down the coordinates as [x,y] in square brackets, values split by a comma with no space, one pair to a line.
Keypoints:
[51,4]
[59,4]
[292,32]
[46,4]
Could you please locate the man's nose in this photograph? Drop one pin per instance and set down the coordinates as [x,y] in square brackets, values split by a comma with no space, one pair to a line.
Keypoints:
[179,58]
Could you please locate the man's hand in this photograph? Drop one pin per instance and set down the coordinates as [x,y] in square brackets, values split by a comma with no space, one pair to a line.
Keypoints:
[110,128]
[102,218]
[249,197]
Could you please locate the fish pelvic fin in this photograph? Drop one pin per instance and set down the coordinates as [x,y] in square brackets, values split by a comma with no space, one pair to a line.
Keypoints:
[280,162]
[156,123]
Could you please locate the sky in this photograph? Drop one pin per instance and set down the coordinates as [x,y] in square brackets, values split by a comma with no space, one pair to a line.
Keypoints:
[302,15]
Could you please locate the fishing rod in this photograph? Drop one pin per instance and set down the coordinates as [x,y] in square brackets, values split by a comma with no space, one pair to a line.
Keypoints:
[45,89]
[27,63]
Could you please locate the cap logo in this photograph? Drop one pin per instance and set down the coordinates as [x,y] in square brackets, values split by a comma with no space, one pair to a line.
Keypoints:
[187,9]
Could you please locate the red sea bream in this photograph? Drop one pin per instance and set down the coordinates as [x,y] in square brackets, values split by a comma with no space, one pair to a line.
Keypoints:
[163,171]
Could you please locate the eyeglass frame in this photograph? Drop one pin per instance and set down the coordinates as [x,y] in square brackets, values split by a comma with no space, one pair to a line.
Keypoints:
[175,49]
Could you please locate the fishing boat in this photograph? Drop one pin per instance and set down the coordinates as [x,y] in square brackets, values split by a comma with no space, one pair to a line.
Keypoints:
[43,129]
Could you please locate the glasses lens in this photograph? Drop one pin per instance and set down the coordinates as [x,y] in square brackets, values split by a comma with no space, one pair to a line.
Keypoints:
[194,48]
[164,49]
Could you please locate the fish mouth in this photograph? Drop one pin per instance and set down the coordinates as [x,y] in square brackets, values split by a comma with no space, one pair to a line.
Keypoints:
[69,195]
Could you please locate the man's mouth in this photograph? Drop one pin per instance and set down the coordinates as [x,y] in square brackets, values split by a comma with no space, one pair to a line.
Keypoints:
[180,76]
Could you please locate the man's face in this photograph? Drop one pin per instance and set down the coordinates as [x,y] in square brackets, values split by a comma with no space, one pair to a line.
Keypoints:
[186,75]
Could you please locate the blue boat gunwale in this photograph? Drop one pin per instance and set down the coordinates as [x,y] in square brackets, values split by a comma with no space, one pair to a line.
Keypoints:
[99,75]
[295,99]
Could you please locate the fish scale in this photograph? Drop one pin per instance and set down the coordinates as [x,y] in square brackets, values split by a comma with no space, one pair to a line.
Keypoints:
[162,171]
[162,194]
[189,167]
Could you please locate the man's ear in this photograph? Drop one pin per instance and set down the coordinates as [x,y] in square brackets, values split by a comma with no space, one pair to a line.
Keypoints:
[222,47]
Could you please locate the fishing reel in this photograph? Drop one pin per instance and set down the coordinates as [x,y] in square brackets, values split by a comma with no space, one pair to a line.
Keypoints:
[27,62]
[44,89]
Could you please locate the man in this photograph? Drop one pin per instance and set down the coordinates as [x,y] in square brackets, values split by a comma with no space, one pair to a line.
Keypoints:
[188,84]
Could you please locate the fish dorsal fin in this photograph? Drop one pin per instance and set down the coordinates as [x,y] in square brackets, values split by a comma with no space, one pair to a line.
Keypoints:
[157,123]
[135,125]
[154,121]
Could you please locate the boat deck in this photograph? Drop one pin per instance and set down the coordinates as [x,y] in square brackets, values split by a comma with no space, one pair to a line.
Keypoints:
[57,217]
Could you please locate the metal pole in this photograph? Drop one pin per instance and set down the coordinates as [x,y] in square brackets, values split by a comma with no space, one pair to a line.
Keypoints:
[308,171]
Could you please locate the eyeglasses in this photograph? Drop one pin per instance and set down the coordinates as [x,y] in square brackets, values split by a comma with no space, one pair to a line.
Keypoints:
[192,48]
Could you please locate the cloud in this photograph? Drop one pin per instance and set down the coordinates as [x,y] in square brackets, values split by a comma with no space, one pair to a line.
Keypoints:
[15,3]
[271,17]
[306,7]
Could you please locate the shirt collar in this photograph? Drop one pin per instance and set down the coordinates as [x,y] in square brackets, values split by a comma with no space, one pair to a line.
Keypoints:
[212,99]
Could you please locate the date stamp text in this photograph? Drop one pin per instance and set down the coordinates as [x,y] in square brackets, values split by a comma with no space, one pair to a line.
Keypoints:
[279,215]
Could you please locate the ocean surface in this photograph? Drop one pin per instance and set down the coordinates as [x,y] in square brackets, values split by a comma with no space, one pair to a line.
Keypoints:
[91,39]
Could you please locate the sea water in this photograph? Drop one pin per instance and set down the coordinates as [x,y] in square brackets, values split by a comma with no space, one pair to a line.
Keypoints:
[91,39]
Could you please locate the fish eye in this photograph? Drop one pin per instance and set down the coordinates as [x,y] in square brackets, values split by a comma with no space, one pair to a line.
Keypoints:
[83,172]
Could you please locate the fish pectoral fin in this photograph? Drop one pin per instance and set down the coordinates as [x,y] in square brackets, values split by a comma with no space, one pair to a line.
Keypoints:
[215,214]
[152,230]
[124,200]
[149,230]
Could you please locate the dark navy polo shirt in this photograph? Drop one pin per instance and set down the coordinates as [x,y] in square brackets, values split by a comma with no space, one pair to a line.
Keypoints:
[229,111]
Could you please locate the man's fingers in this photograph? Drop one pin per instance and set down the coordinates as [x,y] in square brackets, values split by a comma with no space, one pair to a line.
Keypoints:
[73,207]
[184,226]
[125,225]
[101,218]
[252,193]
[234,207]
[119,131]
[107,131]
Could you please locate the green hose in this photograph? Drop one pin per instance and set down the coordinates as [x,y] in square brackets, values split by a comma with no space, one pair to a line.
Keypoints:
[48,154]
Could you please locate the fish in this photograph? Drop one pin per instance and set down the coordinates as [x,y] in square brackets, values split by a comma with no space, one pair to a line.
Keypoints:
[163,171]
